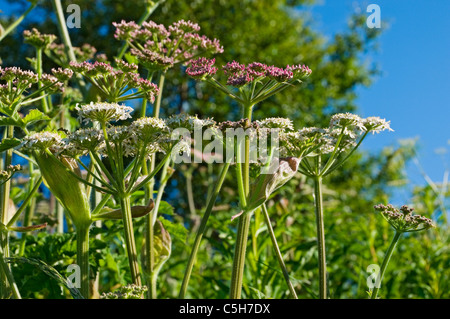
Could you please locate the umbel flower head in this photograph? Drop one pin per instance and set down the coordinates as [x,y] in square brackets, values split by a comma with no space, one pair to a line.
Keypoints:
[38,40]
[9,172]
[403,220]
[188,122]
[255,81]
[103,112]
[159,48]
[149,129]
[114,83]
[126,292]
[42,141]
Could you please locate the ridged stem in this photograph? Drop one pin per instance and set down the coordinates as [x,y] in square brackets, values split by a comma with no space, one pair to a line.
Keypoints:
[125,204]
[386,260]
[201,230]
[83,258]
[320,237]
[278,252]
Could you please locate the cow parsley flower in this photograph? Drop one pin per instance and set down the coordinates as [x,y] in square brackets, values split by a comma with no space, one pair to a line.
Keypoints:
[375,124]
[149,129]
[402,219]
[86,139]
[103,112]
[188,122]
[42,141]
[348,120]
[276,122]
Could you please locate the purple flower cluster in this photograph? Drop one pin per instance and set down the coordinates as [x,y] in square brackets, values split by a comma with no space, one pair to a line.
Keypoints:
[201,68]
[125,30]
[239,74]
[19,81]
[114,82]
[402,219]
[159,48]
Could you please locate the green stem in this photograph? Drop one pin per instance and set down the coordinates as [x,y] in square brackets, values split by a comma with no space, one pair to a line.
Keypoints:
[244,220]
[14,25]
[125,204]
[149,241]
[63,29]
[239,255]
[157,108]
[40,85]
[201,230]
[153,216]
[9,276]
[64,33]
[320,237]
[386,260]
[278,252]
[25,203]
[5,189]
[83,258]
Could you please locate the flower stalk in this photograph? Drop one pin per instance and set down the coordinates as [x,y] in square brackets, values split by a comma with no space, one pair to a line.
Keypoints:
[386,260]
[201,230]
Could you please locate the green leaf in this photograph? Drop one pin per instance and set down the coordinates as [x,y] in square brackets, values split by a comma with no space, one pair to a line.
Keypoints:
[165,208]
[50,271]
[9,143]
[34,116]
[178,231]
[131,58]
[9,121]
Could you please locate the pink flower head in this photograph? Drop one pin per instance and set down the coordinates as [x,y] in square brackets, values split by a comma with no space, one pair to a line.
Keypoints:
[279,74]
[299,71]
[239,79]
[82,67]
[124,30]
[201,68]
[257,69]
[233,67]
[182,26]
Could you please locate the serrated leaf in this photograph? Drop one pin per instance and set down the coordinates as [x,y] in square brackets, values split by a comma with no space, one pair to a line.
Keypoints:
[9,143]
[178,231]
[34,116]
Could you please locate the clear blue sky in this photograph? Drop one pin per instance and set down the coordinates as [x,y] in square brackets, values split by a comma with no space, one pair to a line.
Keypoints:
[413,90]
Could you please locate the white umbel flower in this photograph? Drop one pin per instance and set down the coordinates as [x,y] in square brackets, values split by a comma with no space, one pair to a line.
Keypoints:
[348,120]
[103,112]
[86,139]
[149,129]
[42,141]
[276,122]
[375,124]
[188,122]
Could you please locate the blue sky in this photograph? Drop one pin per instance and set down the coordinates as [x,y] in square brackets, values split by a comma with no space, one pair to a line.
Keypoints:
[413,90]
